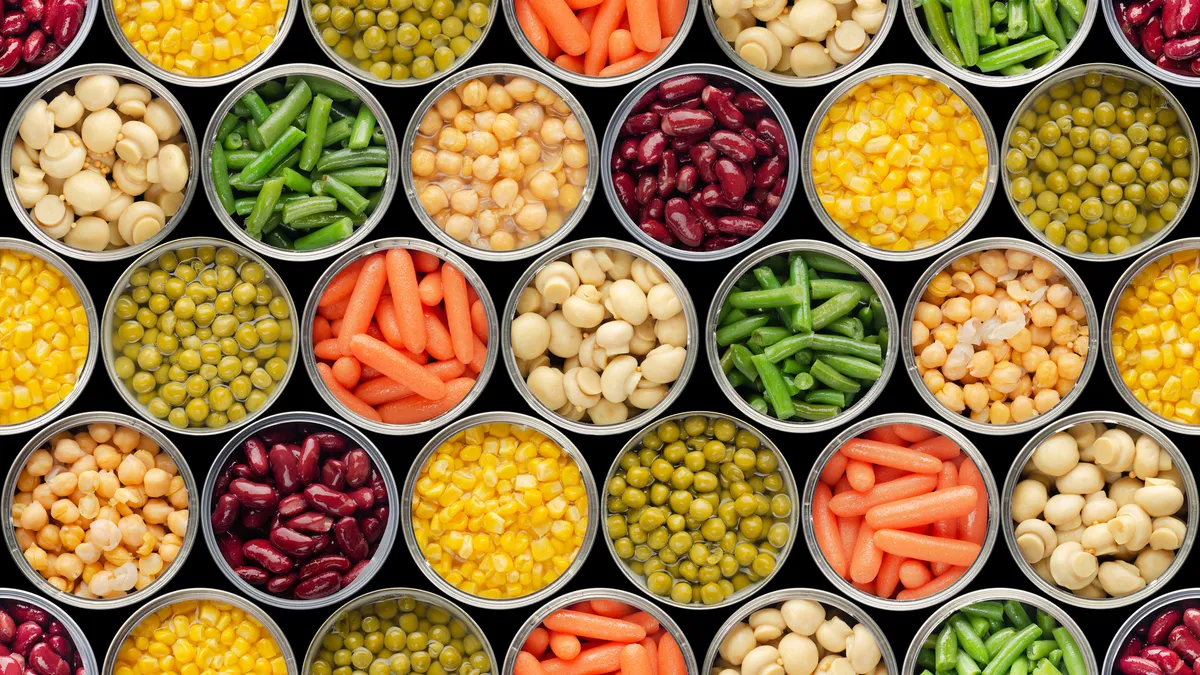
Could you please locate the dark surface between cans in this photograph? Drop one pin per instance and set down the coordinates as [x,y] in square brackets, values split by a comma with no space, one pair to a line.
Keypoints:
[701,391]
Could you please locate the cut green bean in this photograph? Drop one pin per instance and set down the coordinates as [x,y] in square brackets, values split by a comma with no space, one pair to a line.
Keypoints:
[364,127]
[220,175]
[962,13]
[363,176]
[774,388]
[825,374]
[993,611]
[852,366]
[306,207]
[801,317]
[264,206]
[1072,655]
[741,358]
[1016,614]
[272,156]
[295,181]
[326,236]
[946,649]
[825,262]
[347,196]
[1016,53]
[968,638]
[317,125]
[939,31]
[740,330]
[834,308]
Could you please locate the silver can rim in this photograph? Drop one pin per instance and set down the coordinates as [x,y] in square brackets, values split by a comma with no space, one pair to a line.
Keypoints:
[554,604]
[1135,55]
[79,639]
[945,611]
[1077,286]
[1128,73]
[38,442]
[558,72]
[1191,498]
[968,448]
[772,77]
[826,599]
[200,593]
[508,70]
[510,359]
[89,18]
[159,73]
[234,444]
[56,81]
[1110,313]
[859,406]
[613,131]
[89,307]
[366,77]
[210,138]
[844,88]
[310,314]
[516,419]
[107,326]
[917,27]
[1136,617]
[382,594]
[790,485]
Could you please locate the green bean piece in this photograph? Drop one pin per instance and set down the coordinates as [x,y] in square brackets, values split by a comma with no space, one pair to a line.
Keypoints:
[1046,622]
[227,125]
[813,412]
[826,397]
[736,379]
[981,625]
[1012,650]
[852,366]
[1076,8]
[946,648]
[233,141]
[726,308]
[1016,614]
[289,162]
[1050,23]
[264,206]
[346,195]
[993,611]
[348,158]
[269,158]
[962,12]
[823,289]
[988,39]
[363,176]
[1019,667]
[758,403]
[220,176]
[320,85]
[927,659]
[787,346]
[825,262]
[804,381]
[774,388]
[726,361]
[968,638]
[740,330]
[364,127]
[792,367]
[792,389]
[769,335]
[1069,24]
[842,345]
[741,357]
[1072,655]
[1014,69]
[965,665]
[272,89]
[998,639]
[1039,61]
[825,374]
[1040,650]
[847,326]
[278,240]
[734,316]
[983,16]
[240,109]
[1044,667]
[295,181]
[315,128]
[939,31]
[747,282]
[999,12]
[798,277]
[237,160]
[293,104]
[1018,19]
[254,136]
[1055,657]
[834,308]
[312,205]
[767,299]
[338,131]
[326,236]
[1016,53]
[255,106]
[765,277]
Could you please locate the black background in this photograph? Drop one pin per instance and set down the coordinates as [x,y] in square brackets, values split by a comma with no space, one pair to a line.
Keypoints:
[701,393]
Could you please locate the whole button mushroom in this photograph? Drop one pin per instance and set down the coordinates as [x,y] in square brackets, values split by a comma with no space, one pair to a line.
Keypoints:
[1072,567]
[86,191]
[100,130]
[136,142]
[813,19]
[67,110]
[96,91]
[809,59]
[89,233]
[530,335]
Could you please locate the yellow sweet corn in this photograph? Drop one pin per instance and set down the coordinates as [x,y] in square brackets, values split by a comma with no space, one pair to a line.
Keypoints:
[200,38]
[195,637]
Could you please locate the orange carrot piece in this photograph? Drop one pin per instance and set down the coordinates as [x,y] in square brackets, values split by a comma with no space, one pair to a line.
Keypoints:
[925,547]
[430,289]
[612,608]
[973,526]
[860,474]
[402,281]
[363,300]
[458,313]
[347,370]
[328,350]
[582,606]
[670,15]
[336,310]
[335,327]
[858,503]
[527,664]
[643,24]
[848,526]
[670,658]
[643,619]
[568,62]
[864,565]
[628,65]
[598,660]
[651,646]
[923,509]
[939,446]
[946,527]
[939,583]
[620,45]
[914,574]
[321,329]
[342,284]
[537,642]
[564,645]
[389,326]
[834,468]
[479,320]
[594,626]
[425,262]
[885,473]
[868,587]
[579,5]
[385,390]
[826,530]
[607,20]
[635,660]
[587,18]
[891,455]
[414,409]
[344,395]
[369,373]
[563,25]
[913,433]
[437,337]
[885,434]
[889,575]
[397,366]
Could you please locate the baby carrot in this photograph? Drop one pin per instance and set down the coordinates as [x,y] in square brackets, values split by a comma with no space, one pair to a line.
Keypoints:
[651,647]
[834,468]
[582,606]
[334,310]
[889,575]
[532,26]
[587,17]
[885,473]
[437,338]
[430,289]
[670,658]
[344,395]
[568,62]
[643,619]
[578,5]
[670,15]
[607,20]
[425,262]
[598,660]
[363,300]
[479,357]
[563,25]
[870,587]
[564,645]
[321,329]
[848,526]
[594,626]
[385,390]
[946,527]
[643,24]
[555,51]
[913,433]
[885,434]
[479,320]
[620,45]
[328,350]
[826,530]
[347,370]
[913,574]
[385,316]
[613,608]
[628,65]
[397,366]
[939,446]
[939,583]
[864,565]
[635,660]
[402,280]
[858,503]
[458,312]
[973,526]
[342,284]
[925,547]
[537,642]
[527,664]
[923,509]
[890,455]
[414,409]
[860,474]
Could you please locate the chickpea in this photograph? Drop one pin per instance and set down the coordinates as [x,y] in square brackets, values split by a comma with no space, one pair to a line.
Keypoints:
[433,198]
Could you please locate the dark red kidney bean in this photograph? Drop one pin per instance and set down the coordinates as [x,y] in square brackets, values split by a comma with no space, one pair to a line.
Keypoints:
[618,163]
[751,209]
[628,149]
[14,25]
[330,442]
[769,171]
[8,627]
[327,500]
[748,101]
[280,433]
[681,87]
[704,215]
[1182,641]
[256,456]
[270,558]
[223,479]
[1189,16]
[69,21]
[280,584]
[363,497]
[1182,48]
[350,539]
[662,107]
[55,627]
[651,147]
[378,488]
[686,179]
[693,103]
[723,108]
[712,197]
[23,612]
[761,145]
[1166,659]
[50,51]
[61,645]
[682,143]
[718,243]
[732,180]
[253,495]
[1191,619]
[45,661]
[1133,647]
[333,474]
[28,634]
[318,586]
[1136,665]
[732,145]
[1132,33]
[225,512]
[4,651]
[382,513]
[255,576]
[682,222]
[743,226]
[657,231]
[646,99]
[230,546]
[685,122]
[325,563]
[771,130]
[640,123]
[285,468]
[372,529]
[624,189]
[293,543]
[354,572]
[703,157]
[255,519]
[668,173]
[34,43]
[34,10]
[242,470]
[1170,17]
[1139,13]
[1160,627]
[653,210]
[358,467]
[291,505]
[312,521]
[647,186]
[1167,63]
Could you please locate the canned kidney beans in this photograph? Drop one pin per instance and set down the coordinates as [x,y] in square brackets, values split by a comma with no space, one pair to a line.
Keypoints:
[1168,644]
[32,642]
[299,511]
[701,163]
[34,32]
